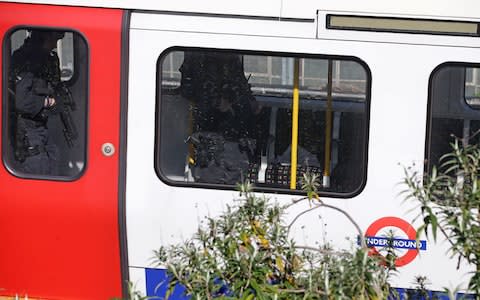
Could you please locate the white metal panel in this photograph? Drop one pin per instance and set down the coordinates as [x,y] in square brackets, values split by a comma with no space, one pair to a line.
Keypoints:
[137,279]
[158,214]
[448,8]
[219,25]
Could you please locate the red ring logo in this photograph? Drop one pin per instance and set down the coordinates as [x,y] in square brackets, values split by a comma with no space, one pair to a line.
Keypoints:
[401,224]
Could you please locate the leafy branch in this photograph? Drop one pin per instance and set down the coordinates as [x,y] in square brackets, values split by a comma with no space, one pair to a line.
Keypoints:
[449,201]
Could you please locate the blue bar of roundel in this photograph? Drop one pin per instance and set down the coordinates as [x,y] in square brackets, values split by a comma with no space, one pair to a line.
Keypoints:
[157,285]
[375,241]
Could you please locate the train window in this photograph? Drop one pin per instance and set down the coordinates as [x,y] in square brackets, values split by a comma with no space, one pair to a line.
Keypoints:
[45,116]
[454,109]
[228,116]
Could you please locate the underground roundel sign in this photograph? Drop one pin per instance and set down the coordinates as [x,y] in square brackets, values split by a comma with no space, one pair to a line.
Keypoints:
[395,233]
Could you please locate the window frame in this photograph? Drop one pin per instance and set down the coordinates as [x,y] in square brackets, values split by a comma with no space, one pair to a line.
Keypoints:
[276,190]
[429,126]
[6,58]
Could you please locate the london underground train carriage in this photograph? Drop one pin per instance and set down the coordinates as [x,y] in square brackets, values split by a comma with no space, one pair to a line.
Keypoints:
[176,102]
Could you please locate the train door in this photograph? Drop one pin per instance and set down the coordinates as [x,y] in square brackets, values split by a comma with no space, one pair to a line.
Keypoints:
[59,227]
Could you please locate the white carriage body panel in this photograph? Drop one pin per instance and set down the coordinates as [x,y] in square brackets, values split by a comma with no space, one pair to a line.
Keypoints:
[159,214]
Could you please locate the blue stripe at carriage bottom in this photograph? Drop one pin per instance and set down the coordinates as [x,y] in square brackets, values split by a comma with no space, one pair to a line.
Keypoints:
[157,285]
[409,294]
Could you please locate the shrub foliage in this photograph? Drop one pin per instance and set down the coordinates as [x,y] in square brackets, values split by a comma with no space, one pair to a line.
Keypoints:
[449,200]
[247,253]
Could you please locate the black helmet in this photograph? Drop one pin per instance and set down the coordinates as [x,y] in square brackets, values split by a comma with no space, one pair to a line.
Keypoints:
[41,35]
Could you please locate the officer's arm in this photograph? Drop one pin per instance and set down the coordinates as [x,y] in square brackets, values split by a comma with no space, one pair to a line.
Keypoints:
[27,101]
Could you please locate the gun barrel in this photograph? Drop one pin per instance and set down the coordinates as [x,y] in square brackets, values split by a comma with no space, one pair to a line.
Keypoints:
[69,129]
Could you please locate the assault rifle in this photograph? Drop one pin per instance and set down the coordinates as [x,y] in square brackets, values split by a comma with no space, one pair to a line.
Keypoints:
[65,105]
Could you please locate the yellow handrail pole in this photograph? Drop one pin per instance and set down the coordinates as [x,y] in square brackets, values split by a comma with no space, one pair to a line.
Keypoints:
[328,127]
[190,132]
[295,108]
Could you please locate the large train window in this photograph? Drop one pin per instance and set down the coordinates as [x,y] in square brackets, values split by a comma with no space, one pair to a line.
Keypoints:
[454,109]
[44,121]
[228,116]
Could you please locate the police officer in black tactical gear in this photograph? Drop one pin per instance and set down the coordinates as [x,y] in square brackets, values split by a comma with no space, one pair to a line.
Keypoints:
[35,71]
[226,130]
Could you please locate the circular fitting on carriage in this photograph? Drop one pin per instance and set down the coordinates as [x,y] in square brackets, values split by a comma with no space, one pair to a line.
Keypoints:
[108,149]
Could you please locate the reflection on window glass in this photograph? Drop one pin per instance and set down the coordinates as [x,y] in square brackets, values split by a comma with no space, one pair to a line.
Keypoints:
[227,116]
[46,104]
[472,87]
[65,55]
[454,109]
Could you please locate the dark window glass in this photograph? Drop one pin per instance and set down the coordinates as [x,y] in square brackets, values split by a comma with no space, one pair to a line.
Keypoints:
[454,114]
[229,116]
[46,103]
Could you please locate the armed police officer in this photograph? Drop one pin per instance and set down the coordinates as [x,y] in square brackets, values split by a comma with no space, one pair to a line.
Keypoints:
[226,125]
[34,74]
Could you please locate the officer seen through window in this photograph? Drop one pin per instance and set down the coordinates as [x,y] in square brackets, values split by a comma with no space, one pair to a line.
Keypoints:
[38,93]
